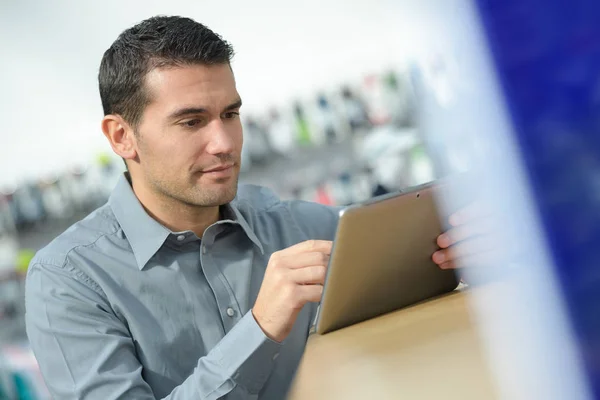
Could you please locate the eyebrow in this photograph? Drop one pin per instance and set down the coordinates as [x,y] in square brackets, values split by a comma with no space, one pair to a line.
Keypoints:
[199,110]
[234,106]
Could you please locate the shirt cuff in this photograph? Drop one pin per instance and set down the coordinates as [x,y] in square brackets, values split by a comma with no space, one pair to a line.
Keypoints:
[247,354]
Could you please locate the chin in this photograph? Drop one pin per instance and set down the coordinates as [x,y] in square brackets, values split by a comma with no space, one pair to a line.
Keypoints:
[216,195]
[228,196]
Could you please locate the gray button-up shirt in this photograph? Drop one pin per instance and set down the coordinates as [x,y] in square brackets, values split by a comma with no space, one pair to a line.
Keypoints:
[120,307]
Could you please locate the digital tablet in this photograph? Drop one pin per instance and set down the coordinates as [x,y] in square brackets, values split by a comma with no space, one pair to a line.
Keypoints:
[381,259]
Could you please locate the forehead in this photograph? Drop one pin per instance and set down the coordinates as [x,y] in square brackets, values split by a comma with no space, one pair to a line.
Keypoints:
[205,86]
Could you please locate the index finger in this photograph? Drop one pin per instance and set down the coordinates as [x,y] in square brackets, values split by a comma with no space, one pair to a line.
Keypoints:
[322,246]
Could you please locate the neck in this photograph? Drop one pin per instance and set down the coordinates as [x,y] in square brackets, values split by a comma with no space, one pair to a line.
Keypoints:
[175,215]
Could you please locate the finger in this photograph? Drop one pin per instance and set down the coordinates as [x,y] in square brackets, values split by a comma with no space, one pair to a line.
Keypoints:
[313,275]
[320,246]
[459,233]
[448,265]
[303,260]
[467,213]
[484,259]
[311,293]
[463,249]
[440,257]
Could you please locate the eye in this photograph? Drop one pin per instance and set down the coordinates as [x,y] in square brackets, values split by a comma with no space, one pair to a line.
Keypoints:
[192,123]
[232,115]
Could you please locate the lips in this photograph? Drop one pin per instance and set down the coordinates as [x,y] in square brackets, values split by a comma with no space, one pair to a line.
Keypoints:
[218,168]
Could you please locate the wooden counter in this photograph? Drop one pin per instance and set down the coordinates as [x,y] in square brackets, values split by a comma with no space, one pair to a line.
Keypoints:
[426,351]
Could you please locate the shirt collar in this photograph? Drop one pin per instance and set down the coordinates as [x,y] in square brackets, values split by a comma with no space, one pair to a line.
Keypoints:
[231,212]
[146,235]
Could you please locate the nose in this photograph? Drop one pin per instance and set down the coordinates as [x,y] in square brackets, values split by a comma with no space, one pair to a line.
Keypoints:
[221,139]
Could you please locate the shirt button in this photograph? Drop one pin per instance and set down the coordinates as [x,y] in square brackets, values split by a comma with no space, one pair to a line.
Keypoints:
[230,311]
[181,238]
[275,356]
[203,249]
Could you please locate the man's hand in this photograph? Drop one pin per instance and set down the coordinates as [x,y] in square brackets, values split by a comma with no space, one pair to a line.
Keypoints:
[470,241]
[294,277]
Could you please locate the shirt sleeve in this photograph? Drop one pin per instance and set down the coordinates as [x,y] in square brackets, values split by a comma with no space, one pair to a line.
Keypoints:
[86,352]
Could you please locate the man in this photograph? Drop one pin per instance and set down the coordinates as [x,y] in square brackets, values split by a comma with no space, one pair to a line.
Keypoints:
[181,286]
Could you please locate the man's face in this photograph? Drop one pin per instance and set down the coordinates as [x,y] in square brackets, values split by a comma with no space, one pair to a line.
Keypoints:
[189,140]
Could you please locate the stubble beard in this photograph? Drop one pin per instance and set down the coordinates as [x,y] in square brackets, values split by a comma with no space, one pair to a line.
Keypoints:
[197,195]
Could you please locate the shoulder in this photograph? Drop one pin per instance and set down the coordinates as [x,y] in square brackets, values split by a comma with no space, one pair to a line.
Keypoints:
[313,220]
[257,197]
[62,251]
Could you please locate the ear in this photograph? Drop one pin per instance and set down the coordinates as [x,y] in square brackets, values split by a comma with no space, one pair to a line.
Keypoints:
[120,136]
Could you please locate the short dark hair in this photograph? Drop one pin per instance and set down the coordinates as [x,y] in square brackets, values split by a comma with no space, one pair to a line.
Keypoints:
[161,41]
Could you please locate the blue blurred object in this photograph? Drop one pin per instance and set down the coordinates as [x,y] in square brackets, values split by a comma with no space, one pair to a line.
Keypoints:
[24,388]
[508,92]
[547,56]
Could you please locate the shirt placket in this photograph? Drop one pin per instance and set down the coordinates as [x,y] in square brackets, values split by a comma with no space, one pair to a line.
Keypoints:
[226,301]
